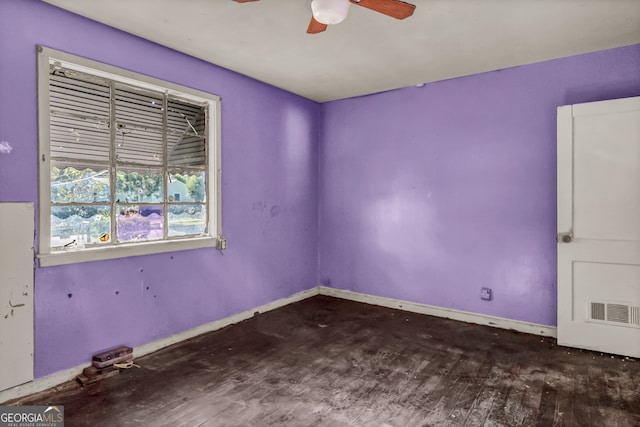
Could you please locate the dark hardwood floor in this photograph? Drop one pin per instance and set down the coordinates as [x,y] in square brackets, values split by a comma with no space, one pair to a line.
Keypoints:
[330,362]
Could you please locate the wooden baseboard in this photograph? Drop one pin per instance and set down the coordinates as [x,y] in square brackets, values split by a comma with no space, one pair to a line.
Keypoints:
[61,377]
[431,310]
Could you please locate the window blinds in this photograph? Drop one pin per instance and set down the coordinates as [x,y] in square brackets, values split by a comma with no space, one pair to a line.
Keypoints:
[84,107]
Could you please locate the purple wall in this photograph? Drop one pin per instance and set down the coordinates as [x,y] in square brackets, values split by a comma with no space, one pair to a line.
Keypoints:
[269,192]
[429,193]
[425,194]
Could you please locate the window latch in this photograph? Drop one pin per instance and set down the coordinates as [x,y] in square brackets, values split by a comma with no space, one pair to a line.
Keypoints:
[221,243]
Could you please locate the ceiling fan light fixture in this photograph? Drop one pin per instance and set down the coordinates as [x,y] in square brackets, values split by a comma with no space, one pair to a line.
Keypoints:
[329,11]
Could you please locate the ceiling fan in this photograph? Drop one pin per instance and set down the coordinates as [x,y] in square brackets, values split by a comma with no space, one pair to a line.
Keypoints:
[329,12]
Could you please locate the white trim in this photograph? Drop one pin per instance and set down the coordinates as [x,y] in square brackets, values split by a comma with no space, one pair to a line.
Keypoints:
[40,384]
[564,169]
[564,212]
[215,171]
[58,378]
[219,324]
[120,251]
[47,257]
[431,310]
[609,106]
[44,165]
[106,71]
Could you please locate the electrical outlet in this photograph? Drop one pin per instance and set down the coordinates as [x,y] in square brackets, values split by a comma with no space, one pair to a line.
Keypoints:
[486,294]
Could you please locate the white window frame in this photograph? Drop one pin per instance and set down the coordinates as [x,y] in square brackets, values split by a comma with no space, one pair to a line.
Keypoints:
[213,238]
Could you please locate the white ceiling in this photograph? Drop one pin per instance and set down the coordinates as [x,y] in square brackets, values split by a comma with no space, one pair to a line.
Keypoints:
[369,52]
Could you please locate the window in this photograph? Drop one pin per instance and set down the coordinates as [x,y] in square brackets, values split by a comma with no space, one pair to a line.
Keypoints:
[129,165]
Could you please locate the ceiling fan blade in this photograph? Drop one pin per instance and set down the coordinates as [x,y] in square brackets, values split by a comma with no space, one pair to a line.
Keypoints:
[394,8]
[243,1]
[315,27]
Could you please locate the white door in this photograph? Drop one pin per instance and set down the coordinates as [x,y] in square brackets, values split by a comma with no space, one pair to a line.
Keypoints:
[16,294]
[599,226]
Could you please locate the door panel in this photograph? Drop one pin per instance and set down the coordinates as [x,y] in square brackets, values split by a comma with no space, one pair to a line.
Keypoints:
[599,207]
[593,282]
[16,293]
[606,173]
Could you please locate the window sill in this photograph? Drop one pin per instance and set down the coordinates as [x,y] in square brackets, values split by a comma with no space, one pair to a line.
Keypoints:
[123,251]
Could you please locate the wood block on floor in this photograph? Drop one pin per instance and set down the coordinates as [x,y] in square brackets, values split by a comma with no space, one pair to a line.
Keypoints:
[92,371]
[85,380]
